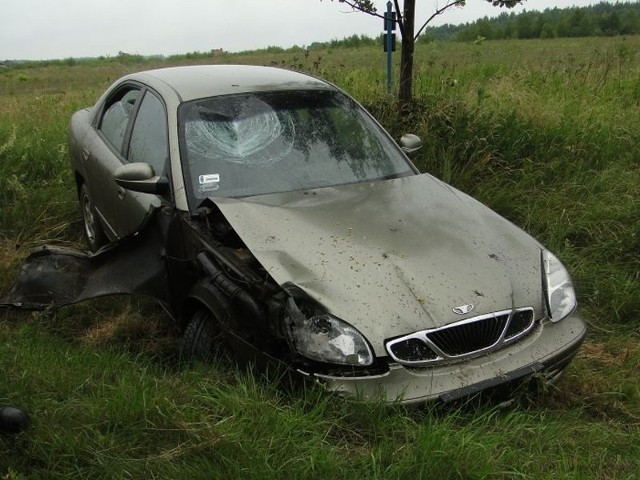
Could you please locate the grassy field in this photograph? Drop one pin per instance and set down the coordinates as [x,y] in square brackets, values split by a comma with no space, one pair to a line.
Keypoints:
[544,132]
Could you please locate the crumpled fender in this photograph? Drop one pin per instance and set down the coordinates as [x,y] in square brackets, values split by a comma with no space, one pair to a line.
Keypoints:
[56,276]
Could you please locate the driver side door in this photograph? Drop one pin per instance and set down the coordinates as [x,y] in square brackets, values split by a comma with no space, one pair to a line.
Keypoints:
[132,127]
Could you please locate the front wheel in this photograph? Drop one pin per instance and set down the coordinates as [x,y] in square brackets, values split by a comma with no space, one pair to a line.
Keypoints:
[202,339]
[92,229]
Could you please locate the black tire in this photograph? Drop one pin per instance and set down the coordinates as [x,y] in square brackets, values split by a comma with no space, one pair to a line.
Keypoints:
[93,232]
[202,339]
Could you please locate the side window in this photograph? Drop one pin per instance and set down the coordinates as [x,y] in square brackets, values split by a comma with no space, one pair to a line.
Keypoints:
[149,141]
[116,117]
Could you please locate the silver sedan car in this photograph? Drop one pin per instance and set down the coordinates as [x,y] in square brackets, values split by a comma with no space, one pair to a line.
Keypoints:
[271,214]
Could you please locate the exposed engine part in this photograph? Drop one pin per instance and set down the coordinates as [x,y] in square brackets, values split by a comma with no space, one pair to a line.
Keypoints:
[229,288]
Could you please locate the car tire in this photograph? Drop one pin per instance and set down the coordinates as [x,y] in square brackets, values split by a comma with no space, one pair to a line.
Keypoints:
[202,338]
[93,232]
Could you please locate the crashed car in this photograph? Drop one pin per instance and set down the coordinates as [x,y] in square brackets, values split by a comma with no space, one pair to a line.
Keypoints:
[266,209]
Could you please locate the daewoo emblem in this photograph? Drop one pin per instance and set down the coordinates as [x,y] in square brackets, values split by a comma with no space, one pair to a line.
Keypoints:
[463,309]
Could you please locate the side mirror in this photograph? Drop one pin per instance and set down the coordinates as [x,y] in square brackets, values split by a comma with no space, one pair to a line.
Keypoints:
[410,143]
[140,177]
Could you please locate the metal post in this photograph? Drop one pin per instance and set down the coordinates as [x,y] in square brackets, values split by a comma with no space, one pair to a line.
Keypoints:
[389,27]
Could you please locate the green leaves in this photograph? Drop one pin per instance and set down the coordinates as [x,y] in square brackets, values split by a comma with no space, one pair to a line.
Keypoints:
[505,3]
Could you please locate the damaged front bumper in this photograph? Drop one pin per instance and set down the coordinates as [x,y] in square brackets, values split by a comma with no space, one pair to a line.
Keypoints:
[547,351]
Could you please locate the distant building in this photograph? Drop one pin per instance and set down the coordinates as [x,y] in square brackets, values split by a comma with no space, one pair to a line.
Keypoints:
[216,51]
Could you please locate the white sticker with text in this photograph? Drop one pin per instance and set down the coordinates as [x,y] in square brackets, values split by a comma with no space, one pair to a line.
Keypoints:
[209,178]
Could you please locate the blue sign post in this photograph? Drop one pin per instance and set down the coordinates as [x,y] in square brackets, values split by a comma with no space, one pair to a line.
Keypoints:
[389,41]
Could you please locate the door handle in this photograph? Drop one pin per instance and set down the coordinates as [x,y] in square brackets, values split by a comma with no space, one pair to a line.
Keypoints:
[85,153]
[121,193]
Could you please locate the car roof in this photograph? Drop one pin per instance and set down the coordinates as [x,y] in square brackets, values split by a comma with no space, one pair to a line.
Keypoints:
[202,81]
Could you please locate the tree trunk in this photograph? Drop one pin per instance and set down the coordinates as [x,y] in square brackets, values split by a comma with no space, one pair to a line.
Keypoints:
[406,60]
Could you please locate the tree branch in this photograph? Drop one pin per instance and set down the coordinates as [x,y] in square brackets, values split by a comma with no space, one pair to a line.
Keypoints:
[364,7]
[399,18]
[367,7]
[495,3]
[435,14]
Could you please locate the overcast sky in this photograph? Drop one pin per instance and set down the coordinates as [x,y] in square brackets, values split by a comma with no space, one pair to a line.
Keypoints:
[48,29]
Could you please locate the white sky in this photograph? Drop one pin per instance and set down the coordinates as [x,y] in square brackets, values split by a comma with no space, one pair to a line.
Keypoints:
[48,29]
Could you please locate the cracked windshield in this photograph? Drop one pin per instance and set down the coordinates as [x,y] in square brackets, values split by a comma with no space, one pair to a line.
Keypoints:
[252,144]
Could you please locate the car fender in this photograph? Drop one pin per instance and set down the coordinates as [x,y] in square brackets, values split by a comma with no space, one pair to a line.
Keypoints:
[55,276]
[205,294]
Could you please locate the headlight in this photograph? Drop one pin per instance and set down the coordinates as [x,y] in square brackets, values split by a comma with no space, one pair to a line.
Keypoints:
[561,297]
[323,337]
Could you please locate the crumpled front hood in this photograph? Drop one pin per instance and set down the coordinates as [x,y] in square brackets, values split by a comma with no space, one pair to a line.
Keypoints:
[391,257]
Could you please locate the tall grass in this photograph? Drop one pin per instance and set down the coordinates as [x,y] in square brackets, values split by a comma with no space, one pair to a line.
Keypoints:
[102,413]
[542,131]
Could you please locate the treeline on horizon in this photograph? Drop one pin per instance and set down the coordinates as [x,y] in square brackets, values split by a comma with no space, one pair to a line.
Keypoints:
[602,19]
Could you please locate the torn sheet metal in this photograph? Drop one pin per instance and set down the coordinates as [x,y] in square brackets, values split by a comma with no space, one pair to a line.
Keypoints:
[56,276]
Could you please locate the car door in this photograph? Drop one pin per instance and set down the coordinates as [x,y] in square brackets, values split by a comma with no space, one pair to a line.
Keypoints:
[147,142]
[129,127]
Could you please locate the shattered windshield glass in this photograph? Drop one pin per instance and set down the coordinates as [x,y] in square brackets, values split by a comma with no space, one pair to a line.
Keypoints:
[257,143]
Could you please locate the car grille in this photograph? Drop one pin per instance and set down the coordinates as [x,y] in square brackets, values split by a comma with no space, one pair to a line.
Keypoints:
[462,339]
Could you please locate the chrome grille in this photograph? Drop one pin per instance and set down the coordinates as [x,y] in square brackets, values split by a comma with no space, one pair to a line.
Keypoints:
[469,337]
[462,339]
[413,350]
[520,321]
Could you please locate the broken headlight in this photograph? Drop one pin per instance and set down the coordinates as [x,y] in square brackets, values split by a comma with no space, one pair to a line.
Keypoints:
[320,336]
[561,297]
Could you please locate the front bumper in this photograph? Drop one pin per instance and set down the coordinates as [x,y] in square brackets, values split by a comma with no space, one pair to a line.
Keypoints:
[547,351]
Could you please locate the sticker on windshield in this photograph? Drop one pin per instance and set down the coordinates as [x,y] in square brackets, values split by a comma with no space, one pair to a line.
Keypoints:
[210,178]
[208,183]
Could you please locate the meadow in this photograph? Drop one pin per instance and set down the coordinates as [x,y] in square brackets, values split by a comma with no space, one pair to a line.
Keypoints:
[542,131]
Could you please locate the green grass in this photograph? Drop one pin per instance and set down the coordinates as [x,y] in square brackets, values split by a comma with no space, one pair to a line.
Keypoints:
[105,412]
[544,132]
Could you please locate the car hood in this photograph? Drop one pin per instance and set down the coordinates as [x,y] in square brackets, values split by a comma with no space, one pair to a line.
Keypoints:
[391,257]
